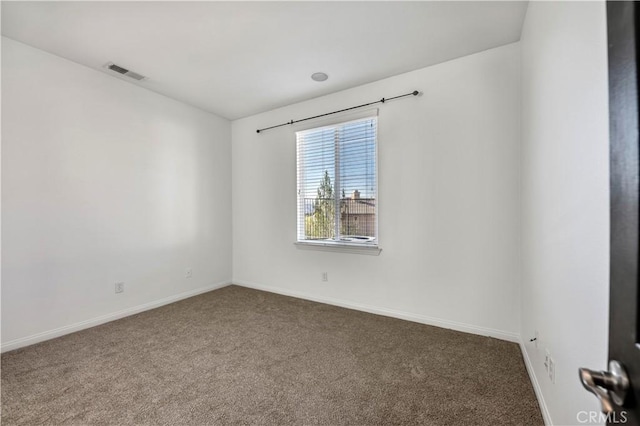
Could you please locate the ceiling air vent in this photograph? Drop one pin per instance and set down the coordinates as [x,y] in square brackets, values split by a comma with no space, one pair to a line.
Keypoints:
[124,71]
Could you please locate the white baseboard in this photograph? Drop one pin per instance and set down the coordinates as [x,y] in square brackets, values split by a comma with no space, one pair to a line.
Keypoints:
[67,329]
[536,386]
[452,325]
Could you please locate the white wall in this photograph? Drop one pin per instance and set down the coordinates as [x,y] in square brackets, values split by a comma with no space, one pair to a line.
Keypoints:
[565,196]
[448,190]
[103,181]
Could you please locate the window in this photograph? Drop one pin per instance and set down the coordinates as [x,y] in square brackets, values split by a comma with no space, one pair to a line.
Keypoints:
[337,184]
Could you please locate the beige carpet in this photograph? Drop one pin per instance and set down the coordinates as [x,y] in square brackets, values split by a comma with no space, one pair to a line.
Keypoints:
[241,356]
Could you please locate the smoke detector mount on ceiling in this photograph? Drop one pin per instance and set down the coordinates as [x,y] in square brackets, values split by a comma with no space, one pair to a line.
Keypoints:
[319,76]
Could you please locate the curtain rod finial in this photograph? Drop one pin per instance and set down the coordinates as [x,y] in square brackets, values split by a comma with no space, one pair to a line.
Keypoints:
[415,93]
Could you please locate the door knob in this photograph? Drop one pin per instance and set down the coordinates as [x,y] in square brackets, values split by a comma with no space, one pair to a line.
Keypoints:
[606,385]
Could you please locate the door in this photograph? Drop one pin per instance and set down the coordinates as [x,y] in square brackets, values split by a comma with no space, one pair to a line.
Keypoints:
[618,389]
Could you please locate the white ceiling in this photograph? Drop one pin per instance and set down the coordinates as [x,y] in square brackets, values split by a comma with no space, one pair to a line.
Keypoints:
[236,59]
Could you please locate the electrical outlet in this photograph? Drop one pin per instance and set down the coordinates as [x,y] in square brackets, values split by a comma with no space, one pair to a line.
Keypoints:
[547,357]
[325,276]
[119,287]
[188,273]
[552,370]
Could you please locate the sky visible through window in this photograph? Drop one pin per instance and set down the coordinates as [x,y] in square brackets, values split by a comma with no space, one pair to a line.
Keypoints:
[357,158]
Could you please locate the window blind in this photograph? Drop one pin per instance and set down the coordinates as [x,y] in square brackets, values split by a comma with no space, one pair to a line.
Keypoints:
[337,183]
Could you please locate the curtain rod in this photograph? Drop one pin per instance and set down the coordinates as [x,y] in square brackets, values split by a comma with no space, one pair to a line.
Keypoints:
[381,101]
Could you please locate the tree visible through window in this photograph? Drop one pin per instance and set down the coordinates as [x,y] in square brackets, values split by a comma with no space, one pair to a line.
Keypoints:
[337,183]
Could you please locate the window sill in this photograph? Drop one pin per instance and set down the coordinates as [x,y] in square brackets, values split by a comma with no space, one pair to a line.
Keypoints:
[337,247]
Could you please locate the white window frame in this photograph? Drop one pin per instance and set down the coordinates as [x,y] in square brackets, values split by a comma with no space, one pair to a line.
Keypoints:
[372,248]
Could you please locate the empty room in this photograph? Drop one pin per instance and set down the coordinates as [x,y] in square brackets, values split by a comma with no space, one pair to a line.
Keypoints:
[319,213]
